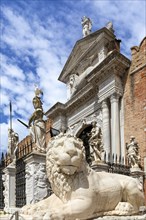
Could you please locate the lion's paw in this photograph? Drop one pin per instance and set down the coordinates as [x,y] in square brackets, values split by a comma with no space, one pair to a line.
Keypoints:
[124,208]
[38,215]
[54,215]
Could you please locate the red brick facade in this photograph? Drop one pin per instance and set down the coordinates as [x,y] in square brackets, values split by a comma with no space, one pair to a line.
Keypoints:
[135,99]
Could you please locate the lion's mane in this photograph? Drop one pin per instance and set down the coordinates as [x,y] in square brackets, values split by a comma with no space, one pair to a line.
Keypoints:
[61,183]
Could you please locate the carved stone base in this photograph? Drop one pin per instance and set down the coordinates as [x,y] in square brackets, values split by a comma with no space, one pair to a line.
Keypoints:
[36,180]
[136,217]
[99,166]
[136,170]
[9,188]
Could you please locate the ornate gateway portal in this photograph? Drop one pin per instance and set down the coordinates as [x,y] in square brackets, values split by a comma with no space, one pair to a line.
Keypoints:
[94,76]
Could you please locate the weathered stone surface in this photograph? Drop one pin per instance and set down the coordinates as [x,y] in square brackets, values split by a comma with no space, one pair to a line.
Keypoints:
[79,191]
[136,217]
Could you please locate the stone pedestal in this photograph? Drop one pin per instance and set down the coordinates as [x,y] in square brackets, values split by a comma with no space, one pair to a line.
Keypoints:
[36,180]
[136,172]
[134,217]
[9,188]
[99,166]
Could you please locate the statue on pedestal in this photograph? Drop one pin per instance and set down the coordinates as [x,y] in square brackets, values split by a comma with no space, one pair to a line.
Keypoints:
[95,142]
[37,124]
[87,25]
[13,140]
[132,153]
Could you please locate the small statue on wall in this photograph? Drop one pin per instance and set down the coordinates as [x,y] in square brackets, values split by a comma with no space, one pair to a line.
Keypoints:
[132,152]
[72,85]
[95,142]
[37,124]
[87,25]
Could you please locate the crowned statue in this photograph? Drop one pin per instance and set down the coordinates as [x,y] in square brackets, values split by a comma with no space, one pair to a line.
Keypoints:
[37,124]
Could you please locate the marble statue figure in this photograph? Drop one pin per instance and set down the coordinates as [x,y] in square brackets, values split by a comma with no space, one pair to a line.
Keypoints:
[132,152]
[95,142]
[87,25]
[109,26]
[37,125]
[79,191]
[73,84]
[13,140]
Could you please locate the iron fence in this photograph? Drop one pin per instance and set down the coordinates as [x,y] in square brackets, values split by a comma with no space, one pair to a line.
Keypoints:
[20,183]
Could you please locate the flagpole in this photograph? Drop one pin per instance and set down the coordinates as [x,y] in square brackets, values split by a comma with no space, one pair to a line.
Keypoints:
[10,115]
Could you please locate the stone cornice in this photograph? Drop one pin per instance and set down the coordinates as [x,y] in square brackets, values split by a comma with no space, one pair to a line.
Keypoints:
[80,97]
[138,69]
[115,61]
[57,107]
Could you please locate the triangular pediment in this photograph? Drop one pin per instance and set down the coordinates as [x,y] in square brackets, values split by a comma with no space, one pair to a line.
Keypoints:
[83,53]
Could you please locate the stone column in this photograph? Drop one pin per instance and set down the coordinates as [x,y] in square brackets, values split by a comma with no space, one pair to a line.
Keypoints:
[36,180]
[106,126]
[115,125]
[9,188]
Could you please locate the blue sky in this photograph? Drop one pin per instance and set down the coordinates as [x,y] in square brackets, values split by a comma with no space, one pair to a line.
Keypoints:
[36,38]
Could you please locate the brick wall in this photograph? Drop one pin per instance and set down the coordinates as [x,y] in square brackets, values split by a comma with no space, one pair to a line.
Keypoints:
[135,99]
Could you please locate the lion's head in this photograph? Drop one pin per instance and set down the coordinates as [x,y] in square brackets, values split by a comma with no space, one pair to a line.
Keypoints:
[64,159]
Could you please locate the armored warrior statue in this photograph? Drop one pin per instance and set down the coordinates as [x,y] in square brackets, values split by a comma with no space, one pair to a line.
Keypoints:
[95,142]
[87,25]
[37,124]
[132,152]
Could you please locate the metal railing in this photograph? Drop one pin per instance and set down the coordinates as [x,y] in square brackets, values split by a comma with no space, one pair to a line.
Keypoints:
[16,216]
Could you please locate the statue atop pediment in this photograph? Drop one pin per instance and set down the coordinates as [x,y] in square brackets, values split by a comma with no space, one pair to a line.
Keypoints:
[109,26]
[86,25]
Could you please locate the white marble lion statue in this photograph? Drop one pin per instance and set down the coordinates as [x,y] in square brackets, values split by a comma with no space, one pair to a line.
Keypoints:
[79,191]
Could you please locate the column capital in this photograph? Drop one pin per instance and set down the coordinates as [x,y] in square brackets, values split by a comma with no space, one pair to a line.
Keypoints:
[114,97]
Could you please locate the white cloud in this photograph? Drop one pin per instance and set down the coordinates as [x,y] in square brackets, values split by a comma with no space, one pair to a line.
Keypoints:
[128,18]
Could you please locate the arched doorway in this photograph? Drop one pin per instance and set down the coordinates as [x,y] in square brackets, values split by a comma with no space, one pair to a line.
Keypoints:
[84,136]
